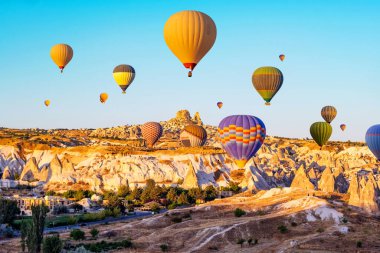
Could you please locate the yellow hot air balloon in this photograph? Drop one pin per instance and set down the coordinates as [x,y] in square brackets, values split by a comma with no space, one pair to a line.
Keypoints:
[103,97]
[124,76]
[61,54]
[190,35]
[47,102]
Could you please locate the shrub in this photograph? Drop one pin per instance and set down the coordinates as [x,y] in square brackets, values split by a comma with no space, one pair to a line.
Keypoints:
[176,219]
[77,234]
[320,230]
[344,220]
[104,246]
[52,244]
[239,212]
[359,244]
[294,224]
[164,247]
[213,248]
[241,242]
[94,232]
[110,234]
[283,229]
[172,206]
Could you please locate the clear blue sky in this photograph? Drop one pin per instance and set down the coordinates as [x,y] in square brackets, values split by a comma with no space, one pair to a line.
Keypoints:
[332,53]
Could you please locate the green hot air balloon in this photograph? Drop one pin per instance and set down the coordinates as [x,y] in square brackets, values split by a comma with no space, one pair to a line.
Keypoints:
[321,132]
[267,81]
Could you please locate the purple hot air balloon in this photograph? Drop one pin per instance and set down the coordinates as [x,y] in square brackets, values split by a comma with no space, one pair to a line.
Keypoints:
[241,137]
[372,138]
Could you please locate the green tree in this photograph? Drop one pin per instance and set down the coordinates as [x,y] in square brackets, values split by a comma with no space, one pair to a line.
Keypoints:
[183,199]
[239,212]
[241,242]
[52,244]
[24,233]
[210,193]
[8,211]
[35,231]
[194,194]
[172,195]
[94,232]
[77,234]
[50,193]
[135,194]
[123,191]
[79,195]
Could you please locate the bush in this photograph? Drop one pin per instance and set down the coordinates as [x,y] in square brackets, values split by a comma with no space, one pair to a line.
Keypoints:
[94,232]
[294,224]
[320,230]
[239,212]
[164,247]
[110,234]
[283,229]
[241,242]
[176,219]
[172,206]
[52,244]
[104,246]
[359,244]
[77,234]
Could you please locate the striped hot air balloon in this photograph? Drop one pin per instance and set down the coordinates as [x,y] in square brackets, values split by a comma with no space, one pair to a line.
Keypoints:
[329,113]
[151,132]
[343,127]
[61,54]
[267,81]
[372,138]
[241,137]
[321,132]
[103,97]
[190,35]
[124,76]
[219,104]
[193,136]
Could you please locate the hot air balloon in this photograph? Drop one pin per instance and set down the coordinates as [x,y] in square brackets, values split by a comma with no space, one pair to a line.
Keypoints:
[328,113]
[47,102]
[219,104]
[151,132]
[241,137]
[282,57]
[193,136]
[321,132]
[372,138]
[124,75]
[103,97]
[190,35]
[267,81]
[61,54]
[343,127]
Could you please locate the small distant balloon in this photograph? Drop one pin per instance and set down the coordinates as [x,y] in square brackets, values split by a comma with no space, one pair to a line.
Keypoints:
[61,54]
[329,113]
[267,81]
[343,127]
[47,102]
[219,104]
[103,97]
[124,76]
[282,57]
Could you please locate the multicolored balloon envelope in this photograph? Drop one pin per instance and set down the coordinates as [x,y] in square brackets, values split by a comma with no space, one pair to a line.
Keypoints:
[193,136]
[124,76]
[321,132]
[343,127]
[329,113]
[372,138]
[241,137]
[103,97]
[61,54]
[267,81]
[151,132]
[219,104]
[190,35]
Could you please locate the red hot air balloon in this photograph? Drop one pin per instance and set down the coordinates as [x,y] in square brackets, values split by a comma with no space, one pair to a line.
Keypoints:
[151,132]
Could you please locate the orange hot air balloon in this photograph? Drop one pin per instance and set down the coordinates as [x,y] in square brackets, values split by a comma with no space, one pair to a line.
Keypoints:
[219,104]
[282,57]
[190,35]
[103,97]
[61,54]
[47,102]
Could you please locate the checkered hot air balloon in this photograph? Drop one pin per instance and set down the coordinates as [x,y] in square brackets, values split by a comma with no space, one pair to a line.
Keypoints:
[241,137]
[151,132]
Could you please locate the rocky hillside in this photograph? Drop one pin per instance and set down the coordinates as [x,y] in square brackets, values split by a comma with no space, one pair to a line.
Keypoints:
[104,159]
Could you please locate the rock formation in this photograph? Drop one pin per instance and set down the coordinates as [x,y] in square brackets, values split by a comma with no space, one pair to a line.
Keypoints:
[327,181]
[30,171]
[301,180]
[190,180]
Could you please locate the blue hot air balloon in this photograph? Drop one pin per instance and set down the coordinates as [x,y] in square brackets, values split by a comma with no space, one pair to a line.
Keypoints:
[241,137]
[372,138]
